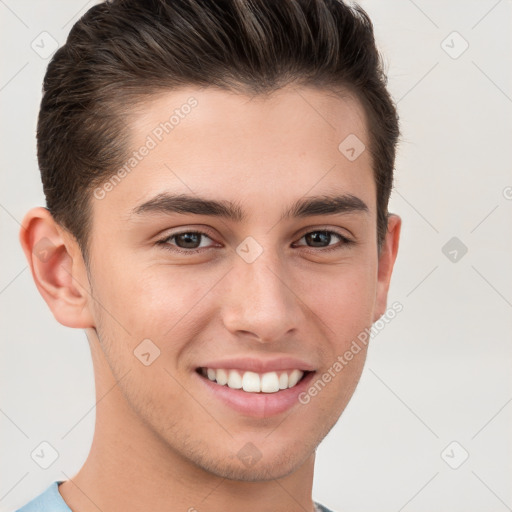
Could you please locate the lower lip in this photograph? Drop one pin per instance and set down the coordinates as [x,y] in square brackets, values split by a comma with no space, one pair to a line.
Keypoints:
[257,405]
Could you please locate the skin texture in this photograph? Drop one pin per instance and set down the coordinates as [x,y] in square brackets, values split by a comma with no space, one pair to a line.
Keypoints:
[161,441]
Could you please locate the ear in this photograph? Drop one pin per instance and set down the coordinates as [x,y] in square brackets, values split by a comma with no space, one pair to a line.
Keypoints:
[57,267]
[387,259]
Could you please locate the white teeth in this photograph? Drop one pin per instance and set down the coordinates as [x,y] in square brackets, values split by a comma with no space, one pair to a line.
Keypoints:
[234,380]
[222,377]
[253,382]
[270,382]
[294,377]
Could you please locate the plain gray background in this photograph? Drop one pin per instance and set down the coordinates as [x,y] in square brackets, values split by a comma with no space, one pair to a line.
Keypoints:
[439,373]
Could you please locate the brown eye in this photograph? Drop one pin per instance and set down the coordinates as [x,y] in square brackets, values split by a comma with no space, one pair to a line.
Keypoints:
[186,242]
[321,239]
[318,237]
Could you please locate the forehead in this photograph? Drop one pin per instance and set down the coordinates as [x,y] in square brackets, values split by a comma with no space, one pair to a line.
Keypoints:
[256,149]
[291,114]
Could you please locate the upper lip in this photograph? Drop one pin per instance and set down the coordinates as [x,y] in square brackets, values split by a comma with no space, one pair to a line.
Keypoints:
[252,364]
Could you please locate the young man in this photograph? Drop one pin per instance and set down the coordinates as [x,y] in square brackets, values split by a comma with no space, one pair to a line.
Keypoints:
[217,176]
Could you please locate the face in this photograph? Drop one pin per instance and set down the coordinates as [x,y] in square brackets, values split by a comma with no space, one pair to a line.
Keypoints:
[266,267]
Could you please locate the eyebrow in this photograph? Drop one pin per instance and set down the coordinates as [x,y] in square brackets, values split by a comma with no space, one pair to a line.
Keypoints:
[303,207]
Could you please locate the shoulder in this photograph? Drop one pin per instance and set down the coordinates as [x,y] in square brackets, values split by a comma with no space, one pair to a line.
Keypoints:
[322,508]
[50,500]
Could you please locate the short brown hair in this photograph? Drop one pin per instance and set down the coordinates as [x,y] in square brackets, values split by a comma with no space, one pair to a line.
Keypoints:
[123,51]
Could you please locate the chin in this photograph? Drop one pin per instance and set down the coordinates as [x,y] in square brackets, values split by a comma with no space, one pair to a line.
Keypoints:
[252,465]
[259,472]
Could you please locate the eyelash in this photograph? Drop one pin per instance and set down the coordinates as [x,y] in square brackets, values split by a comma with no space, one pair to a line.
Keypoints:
[164,242]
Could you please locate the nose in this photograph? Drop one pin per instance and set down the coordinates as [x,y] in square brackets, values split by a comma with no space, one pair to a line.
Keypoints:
[260,301]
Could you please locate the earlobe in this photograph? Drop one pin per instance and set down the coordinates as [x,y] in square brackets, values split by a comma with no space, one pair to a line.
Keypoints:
[57,268]
[387,259]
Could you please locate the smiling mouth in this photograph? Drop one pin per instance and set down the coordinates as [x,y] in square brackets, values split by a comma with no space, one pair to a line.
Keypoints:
[252,382]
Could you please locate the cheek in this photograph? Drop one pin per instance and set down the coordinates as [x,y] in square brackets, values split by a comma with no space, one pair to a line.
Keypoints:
[344,299]
[149,301]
